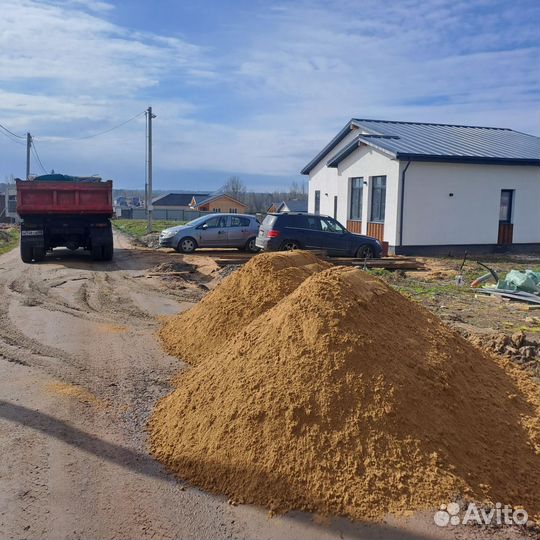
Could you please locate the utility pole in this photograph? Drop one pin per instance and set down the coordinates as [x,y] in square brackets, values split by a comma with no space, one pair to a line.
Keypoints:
[28,147]
[149,117]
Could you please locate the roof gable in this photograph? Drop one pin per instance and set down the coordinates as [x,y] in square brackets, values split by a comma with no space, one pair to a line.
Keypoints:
[220,196]
[293,205]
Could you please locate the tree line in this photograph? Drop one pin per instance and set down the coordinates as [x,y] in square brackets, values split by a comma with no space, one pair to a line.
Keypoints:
[261,201]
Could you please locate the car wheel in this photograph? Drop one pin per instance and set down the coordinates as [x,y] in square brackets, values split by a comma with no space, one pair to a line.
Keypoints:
[289,245]
[186,245]
[365,252]
[251,246]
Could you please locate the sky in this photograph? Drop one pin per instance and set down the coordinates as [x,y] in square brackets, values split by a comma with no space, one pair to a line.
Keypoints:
[252,88]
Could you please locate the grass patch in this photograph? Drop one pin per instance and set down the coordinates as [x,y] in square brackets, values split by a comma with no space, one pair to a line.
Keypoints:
[137,227]
[9,238]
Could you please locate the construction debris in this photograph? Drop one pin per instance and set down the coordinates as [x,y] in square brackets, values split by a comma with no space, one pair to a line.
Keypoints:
[512,295]
[521,286]
[388,263]
[334,393]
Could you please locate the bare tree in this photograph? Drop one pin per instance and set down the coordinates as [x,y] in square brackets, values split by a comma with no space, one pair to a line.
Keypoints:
[235,188]
[297,190]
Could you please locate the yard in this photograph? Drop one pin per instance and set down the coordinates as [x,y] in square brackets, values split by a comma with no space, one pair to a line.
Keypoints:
[9,238]
[136,228]
[489,321]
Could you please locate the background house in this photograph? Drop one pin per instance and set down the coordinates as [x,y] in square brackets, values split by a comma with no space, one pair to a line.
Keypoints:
[218,203]
[8,204]
[431,188]
[177,201]
[172,206]
[293,205]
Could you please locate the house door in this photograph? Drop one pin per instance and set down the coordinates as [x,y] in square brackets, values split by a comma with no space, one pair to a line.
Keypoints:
[506,228]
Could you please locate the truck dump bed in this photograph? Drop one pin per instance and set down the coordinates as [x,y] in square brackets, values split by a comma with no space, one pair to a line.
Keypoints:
[78,197]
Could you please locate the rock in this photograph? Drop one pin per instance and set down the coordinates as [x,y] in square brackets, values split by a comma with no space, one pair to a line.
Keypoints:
[500,342]
[528,352]
[517,339]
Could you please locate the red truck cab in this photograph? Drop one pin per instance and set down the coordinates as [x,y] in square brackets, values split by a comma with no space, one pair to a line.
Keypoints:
[59,210]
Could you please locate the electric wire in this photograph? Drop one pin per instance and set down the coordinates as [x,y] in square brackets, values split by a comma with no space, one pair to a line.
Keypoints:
[36,155]
[102,132]
[11,132]
[11,138]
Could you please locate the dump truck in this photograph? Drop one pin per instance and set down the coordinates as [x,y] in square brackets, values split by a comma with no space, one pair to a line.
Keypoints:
[58,210]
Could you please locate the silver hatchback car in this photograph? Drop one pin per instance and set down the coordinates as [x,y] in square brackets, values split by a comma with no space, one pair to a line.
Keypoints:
[213,231]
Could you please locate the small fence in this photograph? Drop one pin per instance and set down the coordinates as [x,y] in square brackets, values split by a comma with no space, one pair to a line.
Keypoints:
[163,214]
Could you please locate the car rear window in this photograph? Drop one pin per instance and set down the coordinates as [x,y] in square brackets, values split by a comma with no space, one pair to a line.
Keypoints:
[237,221]
[269,221]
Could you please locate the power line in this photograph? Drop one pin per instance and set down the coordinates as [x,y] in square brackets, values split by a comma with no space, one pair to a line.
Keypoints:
[11,132]
[102,132]
[34,150]
[11,138]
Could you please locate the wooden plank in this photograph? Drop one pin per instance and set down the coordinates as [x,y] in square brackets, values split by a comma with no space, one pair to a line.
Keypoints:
[376,230]
[389,264]
[354,226]
[506,233]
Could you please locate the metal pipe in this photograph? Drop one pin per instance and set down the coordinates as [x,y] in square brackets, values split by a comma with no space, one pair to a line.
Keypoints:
[402,203]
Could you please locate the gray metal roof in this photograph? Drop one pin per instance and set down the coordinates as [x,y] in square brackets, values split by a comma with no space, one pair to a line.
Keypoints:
[293,205]
[436,142]
[177,199]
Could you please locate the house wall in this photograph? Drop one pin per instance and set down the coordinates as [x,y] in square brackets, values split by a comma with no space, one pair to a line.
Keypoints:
[471,215]
[365,162]
[223,204]
[325,179]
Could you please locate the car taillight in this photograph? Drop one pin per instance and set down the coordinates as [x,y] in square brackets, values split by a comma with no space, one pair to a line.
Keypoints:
[273,234]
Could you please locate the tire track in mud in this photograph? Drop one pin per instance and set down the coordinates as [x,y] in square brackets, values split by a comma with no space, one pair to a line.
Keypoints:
[113,295]
[96,300]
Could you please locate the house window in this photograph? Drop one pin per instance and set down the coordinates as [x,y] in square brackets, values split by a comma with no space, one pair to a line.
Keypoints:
[233,210]
[317,202]
[505,212]
[378,198]
[12,204]
[357,189]
[335,206]
[216,209]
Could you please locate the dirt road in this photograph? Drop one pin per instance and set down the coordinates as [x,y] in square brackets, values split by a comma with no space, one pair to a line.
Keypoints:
[80,371]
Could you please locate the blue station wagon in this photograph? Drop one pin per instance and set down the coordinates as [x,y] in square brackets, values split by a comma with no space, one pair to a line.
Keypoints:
[312,231]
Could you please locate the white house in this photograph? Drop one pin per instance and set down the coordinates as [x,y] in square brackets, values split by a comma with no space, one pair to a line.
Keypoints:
[431,188]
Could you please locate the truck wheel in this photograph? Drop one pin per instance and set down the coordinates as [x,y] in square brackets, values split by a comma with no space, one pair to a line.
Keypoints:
[107,252]
[27,253]
[97,253]
[39,254]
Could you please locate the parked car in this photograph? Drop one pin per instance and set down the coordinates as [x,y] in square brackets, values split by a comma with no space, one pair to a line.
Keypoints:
[213,231]
[312,231]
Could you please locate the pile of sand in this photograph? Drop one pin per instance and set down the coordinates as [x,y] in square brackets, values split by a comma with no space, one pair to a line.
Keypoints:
[347,398]
[242,296]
